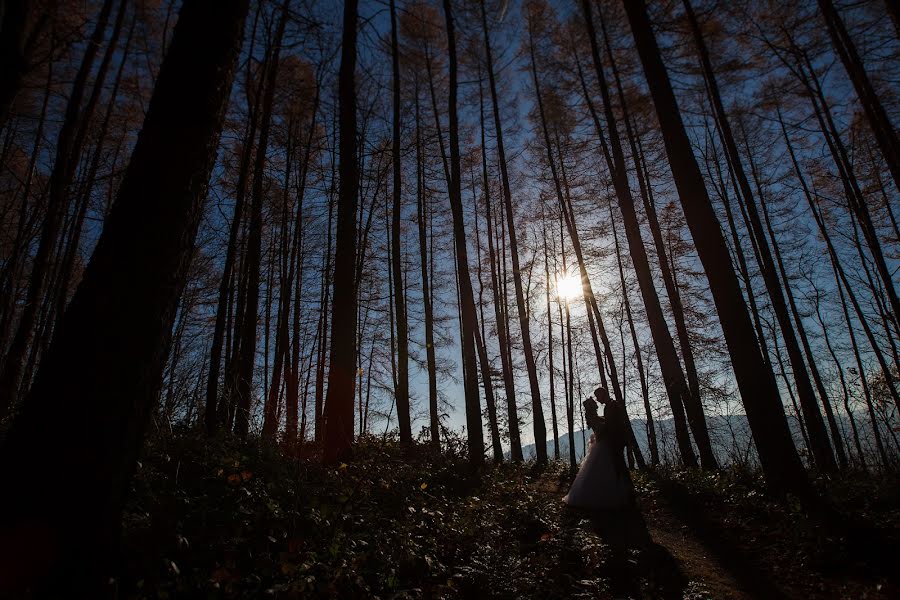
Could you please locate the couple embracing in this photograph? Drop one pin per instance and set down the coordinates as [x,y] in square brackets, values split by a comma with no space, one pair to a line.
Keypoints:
[603,481]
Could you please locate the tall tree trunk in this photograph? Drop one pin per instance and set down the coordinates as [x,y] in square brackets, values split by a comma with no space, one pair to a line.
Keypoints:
[515,443]
[550,368]
[850,183]
[537,410]
[481,344]
[215,413]
[885,133]
[246,359]
[841,276]
[821,447]
[24,21]
[473,410]
[15,263]
[673,377]
[836,437]
[756,382]
[65,163]
[422,218]
[402,390]
[71,247]
[639,361]
[74,429]
[338,410]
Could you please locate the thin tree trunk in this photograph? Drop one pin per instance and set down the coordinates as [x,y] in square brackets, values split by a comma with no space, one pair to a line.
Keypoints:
[885,134]
[213,412]
[841,276]
[537,410]
[24,22]
[836,437]
[402,389]
[515,443]
[15,263]
[481,344]
[473,410]
[550,367]
[65,163]
[246,360]
[422,217]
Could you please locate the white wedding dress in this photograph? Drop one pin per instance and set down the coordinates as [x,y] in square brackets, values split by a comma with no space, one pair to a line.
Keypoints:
[597,485]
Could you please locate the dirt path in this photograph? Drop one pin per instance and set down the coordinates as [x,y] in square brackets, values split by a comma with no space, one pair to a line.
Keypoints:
[655,552]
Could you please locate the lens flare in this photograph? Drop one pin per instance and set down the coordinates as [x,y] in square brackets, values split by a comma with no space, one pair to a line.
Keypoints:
[568,287]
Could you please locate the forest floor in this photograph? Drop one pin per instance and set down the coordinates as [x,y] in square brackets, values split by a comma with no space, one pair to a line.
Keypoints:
[229,520]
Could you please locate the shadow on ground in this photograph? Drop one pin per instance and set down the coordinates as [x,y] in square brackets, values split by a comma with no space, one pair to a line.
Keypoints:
[752,577]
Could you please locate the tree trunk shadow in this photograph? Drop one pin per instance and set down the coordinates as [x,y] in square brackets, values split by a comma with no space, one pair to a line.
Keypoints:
[740,564]
[638,567]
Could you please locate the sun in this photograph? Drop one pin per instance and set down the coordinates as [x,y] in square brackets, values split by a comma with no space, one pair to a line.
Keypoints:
[568,287]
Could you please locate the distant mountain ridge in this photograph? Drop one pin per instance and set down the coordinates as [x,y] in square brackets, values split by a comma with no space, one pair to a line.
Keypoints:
[729,433]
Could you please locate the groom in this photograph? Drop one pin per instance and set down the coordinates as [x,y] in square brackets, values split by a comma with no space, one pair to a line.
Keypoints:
[614,415]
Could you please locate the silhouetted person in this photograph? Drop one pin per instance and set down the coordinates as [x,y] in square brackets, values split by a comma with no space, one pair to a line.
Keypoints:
[614,415]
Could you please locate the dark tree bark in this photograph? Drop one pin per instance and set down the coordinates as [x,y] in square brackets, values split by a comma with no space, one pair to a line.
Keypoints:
[422,218]
[550,367]
[841,276]
[836,438]
[65,163]
[338,410]
[537,410]
[15,263]
[759,391]
[24,21]
[515,442]
[246,359]
[481,344]
[673,377]
[885,133]
[815,425]
[467,300]
[216,413]
[402,389]
[74,241]
[75,431]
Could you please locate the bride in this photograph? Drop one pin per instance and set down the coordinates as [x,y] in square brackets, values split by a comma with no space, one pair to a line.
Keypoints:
[602,482]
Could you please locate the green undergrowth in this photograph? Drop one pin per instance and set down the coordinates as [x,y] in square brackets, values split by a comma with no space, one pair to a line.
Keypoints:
[227,519]
[223,519]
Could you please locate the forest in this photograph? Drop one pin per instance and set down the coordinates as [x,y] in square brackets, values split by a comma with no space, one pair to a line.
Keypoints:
[310,298]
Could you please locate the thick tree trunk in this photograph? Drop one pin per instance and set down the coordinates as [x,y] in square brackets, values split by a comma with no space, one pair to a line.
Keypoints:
[673,377]
[756,382]
[338,410]
[820,445]
[75,432]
